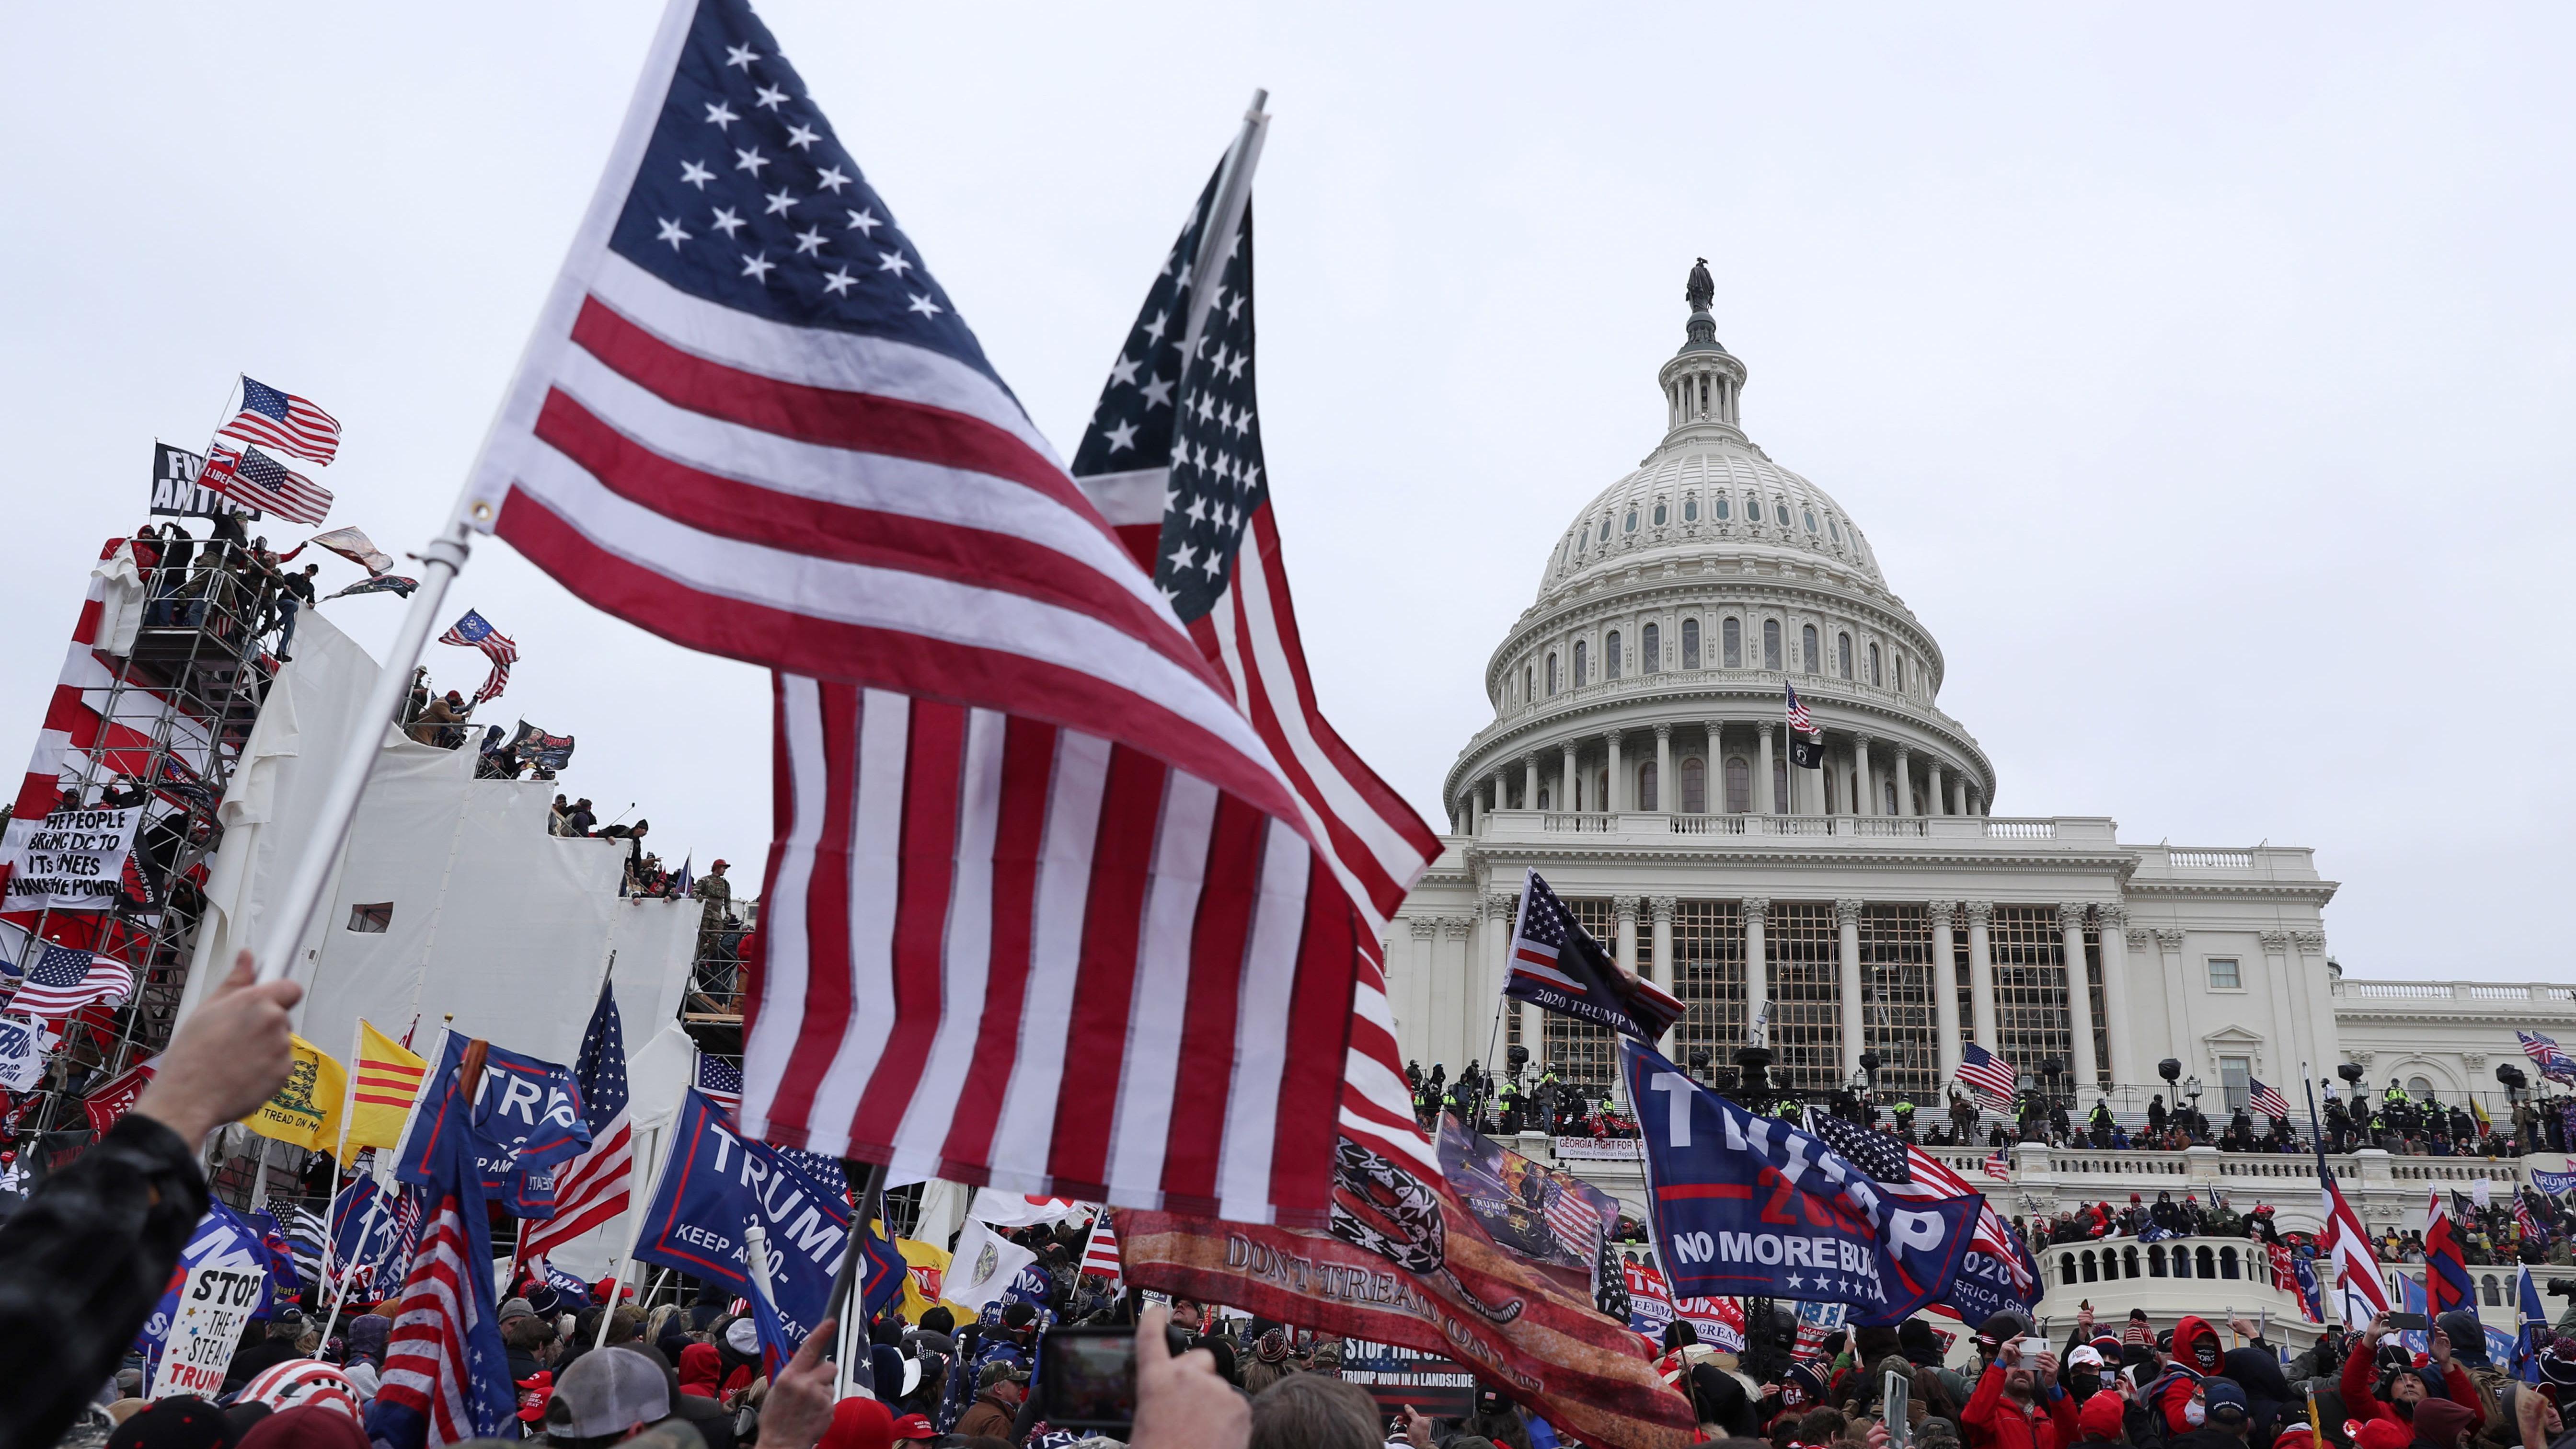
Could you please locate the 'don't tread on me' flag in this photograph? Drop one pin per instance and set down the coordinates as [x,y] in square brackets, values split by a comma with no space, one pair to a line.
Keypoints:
[1556,964]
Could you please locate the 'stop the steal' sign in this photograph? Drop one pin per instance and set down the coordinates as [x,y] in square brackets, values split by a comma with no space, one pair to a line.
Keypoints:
[1748,1205]
[213,1307]
[70,860]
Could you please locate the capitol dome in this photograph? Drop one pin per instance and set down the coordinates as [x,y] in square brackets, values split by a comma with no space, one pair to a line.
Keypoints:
[1684,601]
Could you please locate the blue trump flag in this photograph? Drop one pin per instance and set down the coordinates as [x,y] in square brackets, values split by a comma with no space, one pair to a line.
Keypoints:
[717,1183]
[2533,1333]
[526,1118]
[1743,1204]
[446,1377]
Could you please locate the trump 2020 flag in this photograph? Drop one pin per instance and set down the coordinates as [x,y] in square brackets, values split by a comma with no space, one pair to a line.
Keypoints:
[1557,964]
[526,1117]
[445,1378]
[1743,1204]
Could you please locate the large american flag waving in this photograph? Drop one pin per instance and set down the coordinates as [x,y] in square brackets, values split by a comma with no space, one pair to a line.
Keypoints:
[1027,822]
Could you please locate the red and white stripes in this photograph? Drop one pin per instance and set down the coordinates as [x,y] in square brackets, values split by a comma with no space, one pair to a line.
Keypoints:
[1004,952]
[590,1190]
[425,1368]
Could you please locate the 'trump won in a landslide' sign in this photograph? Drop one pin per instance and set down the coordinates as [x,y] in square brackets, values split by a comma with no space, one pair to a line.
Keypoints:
[1743,1204]
[70,860]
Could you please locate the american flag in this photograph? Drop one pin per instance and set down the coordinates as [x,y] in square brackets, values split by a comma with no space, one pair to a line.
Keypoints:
[445,1378]
[2546,1055]
[1798,719]
[2528,1221]
[2266,1101]
[594,1187]
[474,632]
[1545,935]
[751,422]
[2000,1165]
[720,1082]
[290,424]
[1988,1075]
[1576,1221]
[2356,1263]
[65,979]
[251,477]
[1100,1255]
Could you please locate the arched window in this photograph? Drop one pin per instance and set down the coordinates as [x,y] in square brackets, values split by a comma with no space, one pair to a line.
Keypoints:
[1730,640]
[1739,785]
[1887,800]
[1659,513]
[1650,648]
[1873,666]
[1694,786]
[1646,787]
[1825,789]
[1631,524]
[1690,643]
[2487,1292]
[1719,500]
[1579,661]
[1753,508]
[1842,655]
[1780,510]
[2156,1261]
[1900,671]
[1525,684]
[1771,644]
[2131,1257]
[2092,1273]
[1832,529]
[1811,519]
[1610,656]
[1551,675]
[1780,785]
[1543,802]
[2420,1087]
[1690,509]
[1807,645]
[2207,1264]
[2066,1269]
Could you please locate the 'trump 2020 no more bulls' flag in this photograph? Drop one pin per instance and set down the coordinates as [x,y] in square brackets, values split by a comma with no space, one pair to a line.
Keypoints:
[1557,964]
[1748,1205]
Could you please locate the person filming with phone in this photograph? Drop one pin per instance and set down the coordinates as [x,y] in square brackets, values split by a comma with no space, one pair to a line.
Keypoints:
[2018,1403]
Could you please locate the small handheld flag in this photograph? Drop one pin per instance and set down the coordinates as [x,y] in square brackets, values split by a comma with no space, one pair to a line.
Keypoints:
[1988,1075]
[473,632]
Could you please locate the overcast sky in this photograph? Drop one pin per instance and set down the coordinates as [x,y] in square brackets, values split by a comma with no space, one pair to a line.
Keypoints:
[2201,377]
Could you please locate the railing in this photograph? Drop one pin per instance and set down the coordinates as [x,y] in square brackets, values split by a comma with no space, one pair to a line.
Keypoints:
[2212,859]
[2247,1260]
[2020,829]
[1955,828]
[1584,823]
[1885,825]
[1710,824]
[2542,991]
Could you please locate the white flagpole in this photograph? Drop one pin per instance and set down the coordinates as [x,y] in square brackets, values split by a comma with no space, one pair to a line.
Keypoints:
[636,1201]
[1225,215]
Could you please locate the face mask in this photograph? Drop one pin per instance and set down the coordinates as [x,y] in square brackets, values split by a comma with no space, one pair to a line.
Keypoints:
[2195,1413]
[2084,1379]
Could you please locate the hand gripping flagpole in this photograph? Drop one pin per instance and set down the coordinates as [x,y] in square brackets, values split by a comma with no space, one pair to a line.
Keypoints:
[293,910]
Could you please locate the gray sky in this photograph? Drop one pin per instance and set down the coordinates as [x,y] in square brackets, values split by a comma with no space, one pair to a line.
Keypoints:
[2191,370]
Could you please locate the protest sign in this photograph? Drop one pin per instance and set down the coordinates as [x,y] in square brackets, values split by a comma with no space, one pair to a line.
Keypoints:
[1743,1205]
[716,1183]
[175,491]
[68,860]
[1397,1376]
[214,1305]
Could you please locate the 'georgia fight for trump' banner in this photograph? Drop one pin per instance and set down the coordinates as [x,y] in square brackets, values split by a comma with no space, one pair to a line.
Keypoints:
[1746,1205]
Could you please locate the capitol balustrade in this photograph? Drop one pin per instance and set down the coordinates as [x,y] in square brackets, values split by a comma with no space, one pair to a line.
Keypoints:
[1540,826]
[2407,995]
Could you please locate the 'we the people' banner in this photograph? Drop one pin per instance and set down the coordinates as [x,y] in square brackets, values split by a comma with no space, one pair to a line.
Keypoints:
[69,860]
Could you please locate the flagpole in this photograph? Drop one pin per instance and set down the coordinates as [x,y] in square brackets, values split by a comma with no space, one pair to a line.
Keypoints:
[1233,193]
[293,909]
[635,1207]
[871,1177]
[330,1240]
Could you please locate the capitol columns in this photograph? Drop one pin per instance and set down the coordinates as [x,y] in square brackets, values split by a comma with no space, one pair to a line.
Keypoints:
[1904,782]
[1764,795]
[1623,910]
[1864,793]
[1502,787]
[1614,789]
[2325,1044]
[2276,966]
[1932,798]
[1945,988]
[1981,976]
[1665,798]
[1855,1019]
[1529,781]
[2177,1001]
[2079,996]
[2113,917]
[1566,799]
[1500,908]
[1757,968]
[1662,973]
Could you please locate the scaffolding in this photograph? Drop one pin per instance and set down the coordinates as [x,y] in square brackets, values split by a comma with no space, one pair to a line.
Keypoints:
[160,725]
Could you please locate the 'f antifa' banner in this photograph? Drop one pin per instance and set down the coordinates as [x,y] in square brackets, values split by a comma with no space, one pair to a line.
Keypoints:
[1743,1204]
[716,1183]
[526,1120]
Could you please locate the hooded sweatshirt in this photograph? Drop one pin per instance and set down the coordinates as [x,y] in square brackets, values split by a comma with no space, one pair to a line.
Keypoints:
[1996,1420]
[2196,1354]
[2361,1401]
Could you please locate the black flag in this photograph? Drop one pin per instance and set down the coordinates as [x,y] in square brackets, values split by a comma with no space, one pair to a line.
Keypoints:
[1806,751]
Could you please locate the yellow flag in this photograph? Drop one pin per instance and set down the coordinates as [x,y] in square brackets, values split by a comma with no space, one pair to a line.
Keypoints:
[926,1268]
[388,1078]
[306,1111]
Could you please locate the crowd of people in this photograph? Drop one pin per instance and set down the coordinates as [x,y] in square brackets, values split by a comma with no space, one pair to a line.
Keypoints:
[230,584]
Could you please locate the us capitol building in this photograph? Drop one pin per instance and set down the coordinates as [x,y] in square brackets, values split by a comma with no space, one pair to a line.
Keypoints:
[1638,759]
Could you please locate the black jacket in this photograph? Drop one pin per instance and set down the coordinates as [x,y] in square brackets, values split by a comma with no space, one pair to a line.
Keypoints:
[81,1266]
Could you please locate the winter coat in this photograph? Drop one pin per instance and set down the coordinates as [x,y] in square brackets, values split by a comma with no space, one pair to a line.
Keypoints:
[1995,1420]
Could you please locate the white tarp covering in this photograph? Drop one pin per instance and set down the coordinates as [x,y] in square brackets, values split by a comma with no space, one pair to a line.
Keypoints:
[492,921]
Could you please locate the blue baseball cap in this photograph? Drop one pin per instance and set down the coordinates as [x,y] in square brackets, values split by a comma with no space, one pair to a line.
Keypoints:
[2218,1394]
